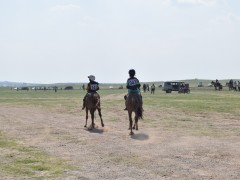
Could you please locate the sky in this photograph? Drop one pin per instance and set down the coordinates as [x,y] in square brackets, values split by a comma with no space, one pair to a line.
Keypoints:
[58,41]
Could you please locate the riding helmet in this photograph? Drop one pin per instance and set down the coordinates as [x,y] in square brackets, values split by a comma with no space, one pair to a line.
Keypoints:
[132,72]
[91,77]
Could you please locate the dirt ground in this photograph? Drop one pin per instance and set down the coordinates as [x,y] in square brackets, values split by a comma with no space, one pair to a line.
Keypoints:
[111,153]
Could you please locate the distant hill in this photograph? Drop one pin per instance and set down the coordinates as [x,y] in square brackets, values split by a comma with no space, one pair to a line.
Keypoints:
[192,83]
[15,84]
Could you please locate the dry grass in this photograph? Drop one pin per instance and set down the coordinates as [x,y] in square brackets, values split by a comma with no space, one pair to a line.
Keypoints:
[195,136]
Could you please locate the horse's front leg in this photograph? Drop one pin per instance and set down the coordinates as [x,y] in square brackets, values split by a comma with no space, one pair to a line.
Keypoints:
[100,115]
[86,116]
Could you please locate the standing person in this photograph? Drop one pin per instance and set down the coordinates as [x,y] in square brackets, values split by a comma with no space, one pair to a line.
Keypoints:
[92,87]
[133,84]
[152,89]
[235,85]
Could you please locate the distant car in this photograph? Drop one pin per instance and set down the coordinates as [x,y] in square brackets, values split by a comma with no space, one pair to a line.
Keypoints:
[120,87]
[68,88]
[170,86]
[25,88]
[200,84]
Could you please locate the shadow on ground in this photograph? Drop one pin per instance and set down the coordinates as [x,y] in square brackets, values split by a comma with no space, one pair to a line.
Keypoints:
[140,137]
[95,130]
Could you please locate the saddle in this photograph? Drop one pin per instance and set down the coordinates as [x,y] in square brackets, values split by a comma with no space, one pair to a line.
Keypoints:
[93,94]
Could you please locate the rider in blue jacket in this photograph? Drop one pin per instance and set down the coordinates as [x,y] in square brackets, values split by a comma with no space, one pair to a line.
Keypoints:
[133,84]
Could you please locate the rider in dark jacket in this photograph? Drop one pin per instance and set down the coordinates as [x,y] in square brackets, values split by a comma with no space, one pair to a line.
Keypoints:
[92,87]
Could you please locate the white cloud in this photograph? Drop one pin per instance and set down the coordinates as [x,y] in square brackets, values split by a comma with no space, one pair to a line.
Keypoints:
[230,18]
[67,7]
[165,2]
[199,2]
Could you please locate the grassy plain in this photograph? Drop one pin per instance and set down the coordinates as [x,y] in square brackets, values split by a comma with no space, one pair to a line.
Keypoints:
[202,113]
[199,102]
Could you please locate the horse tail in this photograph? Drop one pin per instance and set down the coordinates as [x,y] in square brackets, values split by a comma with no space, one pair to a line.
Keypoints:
[139,108]
[96,100]
[139,112]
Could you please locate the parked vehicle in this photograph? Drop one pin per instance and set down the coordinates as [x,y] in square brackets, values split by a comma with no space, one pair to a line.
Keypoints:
[200,84]
[68,88]
[170,86]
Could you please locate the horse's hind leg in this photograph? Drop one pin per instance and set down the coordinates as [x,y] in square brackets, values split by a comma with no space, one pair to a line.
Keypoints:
[92,117]
[130,123]
[100,115]
[86,117]
[136,122]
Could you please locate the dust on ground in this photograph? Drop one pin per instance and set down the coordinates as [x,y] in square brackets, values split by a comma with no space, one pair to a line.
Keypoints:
[111,153]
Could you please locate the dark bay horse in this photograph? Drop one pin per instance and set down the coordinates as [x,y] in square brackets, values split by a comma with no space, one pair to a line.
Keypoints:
[234,85]
[134,104]
[92,104]
[231,86]
[217,86]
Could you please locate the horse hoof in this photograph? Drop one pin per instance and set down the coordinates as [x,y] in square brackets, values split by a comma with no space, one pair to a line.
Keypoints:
[85,126]
[102,125]
[133,127]
[131,133]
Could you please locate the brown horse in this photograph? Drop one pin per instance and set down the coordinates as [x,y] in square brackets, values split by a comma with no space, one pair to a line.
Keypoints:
[217,85]
[134,104]
[92,103]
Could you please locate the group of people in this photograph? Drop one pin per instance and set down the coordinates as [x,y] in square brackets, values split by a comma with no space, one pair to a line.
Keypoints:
[232,85]
[146,88]
[235,85]
[133,86]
